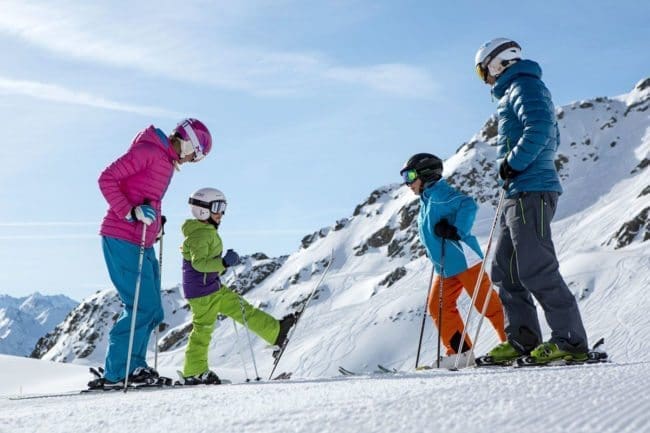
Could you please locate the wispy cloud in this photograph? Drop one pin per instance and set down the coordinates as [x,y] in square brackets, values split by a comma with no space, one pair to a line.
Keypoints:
[52,92]
[166,45]
[391,78]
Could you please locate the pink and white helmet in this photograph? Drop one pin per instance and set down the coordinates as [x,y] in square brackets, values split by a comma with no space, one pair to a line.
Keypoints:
[196,136]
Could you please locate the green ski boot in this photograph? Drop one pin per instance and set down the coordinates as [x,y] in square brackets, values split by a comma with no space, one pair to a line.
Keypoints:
[550,353]
[503,355]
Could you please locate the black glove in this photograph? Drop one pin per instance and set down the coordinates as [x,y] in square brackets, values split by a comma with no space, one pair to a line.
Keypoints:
[231,258]
[446,230]
[161,232]
[506,172]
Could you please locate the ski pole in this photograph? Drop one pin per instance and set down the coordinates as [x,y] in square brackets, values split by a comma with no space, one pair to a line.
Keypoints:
[163,220]
[248,333]
[135,306]
[424,317]
[480,321]
[300,312]
[248,336]
[489,294]
[442,279]
[478,280]
[241,356]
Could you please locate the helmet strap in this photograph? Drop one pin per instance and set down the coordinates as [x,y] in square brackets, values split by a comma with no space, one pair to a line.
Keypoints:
[186,148]
[194,141]
[503,65]
[431,181]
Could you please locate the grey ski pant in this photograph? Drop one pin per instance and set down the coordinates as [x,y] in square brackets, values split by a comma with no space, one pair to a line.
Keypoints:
[525,264]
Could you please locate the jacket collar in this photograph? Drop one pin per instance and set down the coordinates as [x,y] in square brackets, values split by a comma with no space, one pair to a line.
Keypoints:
[431,189]
[163,140]
[522,67]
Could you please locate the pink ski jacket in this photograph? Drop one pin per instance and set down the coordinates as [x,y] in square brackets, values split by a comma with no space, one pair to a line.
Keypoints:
[140,176]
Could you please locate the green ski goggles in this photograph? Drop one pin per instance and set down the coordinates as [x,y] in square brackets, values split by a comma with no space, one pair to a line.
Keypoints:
[409,176]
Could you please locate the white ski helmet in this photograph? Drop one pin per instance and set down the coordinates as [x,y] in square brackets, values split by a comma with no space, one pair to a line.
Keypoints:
[494,56]
[206,201]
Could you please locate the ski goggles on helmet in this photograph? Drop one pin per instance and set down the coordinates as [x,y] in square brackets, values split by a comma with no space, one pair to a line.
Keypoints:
[482,72]
[217,206]
[409,176]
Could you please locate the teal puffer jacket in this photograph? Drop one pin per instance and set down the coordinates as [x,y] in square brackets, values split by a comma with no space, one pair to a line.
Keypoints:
[528,131]
[440,201]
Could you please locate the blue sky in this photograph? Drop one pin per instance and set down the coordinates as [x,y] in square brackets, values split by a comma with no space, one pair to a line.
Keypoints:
[312,105]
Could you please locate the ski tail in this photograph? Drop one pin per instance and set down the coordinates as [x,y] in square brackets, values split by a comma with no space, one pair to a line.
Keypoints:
[299,316]
[346,372]
[386,369]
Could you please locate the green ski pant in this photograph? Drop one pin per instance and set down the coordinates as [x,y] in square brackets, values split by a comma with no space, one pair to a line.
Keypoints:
[204,315]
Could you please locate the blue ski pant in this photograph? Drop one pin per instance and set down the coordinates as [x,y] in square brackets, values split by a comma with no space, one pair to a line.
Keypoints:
[525,266]
[122,262]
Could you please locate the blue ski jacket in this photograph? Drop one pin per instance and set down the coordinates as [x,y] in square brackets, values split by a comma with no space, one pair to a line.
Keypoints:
[528,132]
[440,201]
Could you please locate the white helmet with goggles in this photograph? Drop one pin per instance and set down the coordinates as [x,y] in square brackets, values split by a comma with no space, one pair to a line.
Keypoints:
[495,56]
[206,201]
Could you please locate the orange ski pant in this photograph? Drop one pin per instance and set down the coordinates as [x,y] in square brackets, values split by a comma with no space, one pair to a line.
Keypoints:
[452,323]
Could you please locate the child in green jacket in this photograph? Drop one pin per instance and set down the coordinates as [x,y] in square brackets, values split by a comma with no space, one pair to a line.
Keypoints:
[203,266]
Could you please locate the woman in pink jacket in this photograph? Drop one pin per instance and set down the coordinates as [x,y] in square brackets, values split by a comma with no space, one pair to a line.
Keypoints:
[134,186]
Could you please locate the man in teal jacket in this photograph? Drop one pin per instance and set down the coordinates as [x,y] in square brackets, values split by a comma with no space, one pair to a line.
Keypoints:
[525,263]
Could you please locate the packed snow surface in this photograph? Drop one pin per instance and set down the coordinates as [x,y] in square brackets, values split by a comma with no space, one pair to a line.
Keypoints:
[588,398]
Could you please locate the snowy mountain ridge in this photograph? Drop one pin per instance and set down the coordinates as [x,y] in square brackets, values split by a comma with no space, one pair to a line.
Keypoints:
[369,308]
[24,320]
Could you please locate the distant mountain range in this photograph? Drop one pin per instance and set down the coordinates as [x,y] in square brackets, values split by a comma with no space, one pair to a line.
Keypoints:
[24,320]
[369,307]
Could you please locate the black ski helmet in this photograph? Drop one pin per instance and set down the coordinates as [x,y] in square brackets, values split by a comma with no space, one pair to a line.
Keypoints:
[427,166]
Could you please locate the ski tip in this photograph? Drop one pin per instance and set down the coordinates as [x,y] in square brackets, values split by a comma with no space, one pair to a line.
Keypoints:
[600,342]
[283,376]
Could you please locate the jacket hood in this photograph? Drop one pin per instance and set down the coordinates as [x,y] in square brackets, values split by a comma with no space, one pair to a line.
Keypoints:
[194,226]
[522,67]
[156,136]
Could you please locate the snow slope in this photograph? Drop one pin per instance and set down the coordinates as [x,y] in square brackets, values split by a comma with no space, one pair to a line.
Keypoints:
[591,399]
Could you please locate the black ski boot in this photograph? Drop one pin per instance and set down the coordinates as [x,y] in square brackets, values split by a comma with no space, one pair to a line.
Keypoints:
[147,376]
[286,323]
[207,378]
[100,382]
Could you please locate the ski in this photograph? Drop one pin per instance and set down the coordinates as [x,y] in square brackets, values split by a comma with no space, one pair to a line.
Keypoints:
[114,390]
[488,361]
[81,392]
[295,325]
[380,370]
[346,372]
[386,369]
[594,356]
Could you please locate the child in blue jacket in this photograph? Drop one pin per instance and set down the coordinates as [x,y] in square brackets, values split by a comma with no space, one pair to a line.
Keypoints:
[447,215]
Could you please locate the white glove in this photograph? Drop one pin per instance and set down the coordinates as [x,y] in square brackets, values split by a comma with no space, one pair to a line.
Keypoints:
[144,213]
